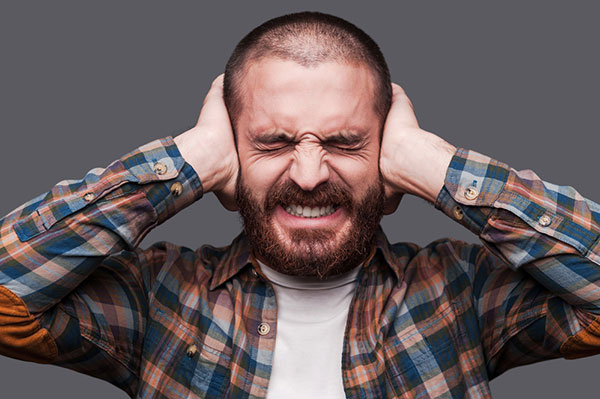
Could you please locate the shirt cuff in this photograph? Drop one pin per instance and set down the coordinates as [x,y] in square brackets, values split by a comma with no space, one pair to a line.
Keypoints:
[157,168]
[176,184]
[477,185]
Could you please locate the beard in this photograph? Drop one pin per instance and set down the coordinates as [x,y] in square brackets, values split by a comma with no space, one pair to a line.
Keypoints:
[311,252]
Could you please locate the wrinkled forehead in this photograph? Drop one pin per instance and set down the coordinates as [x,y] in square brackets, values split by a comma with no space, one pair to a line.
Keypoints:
[286,95]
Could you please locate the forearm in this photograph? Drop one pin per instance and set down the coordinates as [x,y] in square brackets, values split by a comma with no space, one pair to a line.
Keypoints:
[52,243]
[201,154]
[548,231]
[416,163]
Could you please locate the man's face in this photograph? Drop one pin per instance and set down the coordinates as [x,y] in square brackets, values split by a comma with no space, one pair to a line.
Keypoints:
[310,191]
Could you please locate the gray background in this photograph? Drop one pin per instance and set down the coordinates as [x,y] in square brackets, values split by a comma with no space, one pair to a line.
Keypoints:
[81,83]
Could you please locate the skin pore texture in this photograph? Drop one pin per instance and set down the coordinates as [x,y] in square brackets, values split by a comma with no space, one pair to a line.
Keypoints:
[310,192]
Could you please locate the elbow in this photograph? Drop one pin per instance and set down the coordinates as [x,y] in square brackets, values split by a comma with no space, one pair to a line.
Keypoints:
[21,336]
[584,343]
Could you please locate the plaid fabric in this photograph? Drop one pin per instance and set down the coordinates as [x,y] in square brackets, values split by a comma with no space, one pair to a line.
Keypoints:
[432,322]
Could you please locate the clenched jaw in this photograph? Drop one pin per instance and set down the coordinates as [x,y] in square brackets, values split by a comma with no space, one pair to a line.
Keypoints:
[318,233]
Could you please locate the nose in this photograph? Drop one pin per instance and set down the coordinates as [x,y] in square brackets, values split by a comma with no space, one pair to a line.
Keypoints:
[308,168]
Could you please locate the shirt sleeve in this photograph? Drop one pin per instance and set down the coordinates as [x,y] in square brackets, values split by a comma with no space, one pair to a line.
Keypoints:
[73,285]
[536,281]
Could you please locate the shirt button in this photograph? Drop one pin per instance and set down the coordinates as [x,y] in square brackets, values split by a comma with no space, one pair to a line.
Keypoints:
[160,168]
[89,197]
[264,328]
[177,189]
[545,220]
[254,272]
[458,213]
[471,193]
[191,351]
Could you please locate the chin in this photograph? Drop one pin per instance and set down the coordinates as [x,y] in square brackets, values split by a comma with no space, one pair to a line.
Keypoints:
[317,253]
[328,244]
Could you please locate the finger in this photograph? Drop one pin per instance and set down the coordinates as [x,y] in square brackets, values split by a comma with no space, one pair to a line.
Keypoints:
[215,93]
[216,88]
[214,105]
[398,94]
[219,80]
[405,110]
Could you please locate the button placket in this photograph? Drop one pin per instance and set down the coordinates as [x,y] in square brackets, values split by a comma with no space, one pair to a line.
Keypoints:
[264,329]
[191,351]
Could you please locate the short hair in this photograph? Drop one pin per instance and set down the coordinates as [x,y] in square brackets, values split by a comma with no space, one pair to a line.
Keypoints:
[308,38]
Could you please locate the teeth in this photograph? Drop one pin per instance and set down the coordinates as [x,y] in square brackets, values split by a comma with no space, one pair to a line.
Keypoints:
[308,212]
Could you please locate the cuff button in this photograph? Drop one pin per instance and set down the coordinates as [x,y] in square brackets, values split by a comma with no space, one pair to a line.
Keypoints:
[458,213]
[160,168]
[471,193]
[177,189]
[89,197]
[545,220]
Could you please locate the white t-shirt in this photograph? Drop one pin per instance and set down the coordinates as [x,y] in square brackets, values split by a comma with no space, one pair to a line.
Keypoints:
[311,319]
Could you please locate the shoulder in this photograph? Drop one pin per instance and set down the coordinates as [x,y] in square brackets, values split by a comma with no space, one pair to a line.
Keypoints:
[439,255]
[444,263]
[180,268]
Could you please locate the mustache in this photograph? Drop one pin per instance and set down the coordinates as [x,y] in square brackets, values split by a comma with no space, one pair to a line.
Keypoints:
[289,193]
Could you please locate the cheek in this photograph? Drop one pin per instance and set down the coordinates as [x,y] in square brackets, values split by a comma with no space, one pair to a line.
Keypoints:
[356,172]
[262,173]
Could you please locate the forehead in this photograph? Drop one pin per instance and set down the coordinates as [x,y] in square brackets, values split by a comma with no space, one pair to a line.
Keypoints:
[328,96]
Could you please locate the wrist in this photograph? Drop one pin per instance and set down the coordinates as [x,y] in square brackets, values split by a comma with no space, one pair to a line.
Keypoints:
[196,151]
[420,164]
[434,169]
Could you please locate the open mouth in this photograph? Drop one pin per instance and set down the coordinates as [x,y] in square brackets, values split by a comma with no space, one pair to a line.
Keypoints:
[310,212]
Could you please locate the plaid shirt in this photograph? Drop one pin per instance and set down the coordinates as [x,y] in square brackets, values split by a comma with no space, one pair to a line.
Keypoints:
[169,321]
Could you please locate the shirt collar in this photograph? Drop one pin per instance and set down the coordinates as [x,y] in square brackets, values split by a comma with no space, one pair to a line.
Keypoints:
[229,261]
[391,256]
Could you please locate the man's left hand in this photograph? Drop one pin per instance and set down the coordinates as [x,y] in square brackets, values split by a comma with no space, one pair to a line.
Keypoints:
[412,161]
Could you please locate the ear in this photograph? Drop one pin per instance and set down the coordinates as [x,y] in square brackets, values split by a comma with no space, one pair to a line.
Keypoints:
[391,203]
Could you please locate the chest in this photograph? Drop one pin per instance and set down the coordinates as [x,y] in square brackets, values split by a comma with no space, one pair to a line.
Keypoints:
[402,346]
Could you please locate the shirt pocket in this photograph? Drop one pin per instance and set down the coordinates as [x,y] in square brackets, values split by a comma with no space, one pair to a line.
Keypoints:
[423,358]
[178,364]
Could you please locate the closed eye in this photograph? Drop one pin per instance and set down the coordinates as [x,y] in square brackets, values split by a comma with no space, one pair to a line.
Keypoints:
[274,142]
[275,147]
[345,143]
[342,148]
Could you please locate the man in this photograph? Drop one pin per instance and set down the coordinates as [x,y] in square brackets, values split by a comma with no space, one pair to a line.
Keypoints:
[312,300]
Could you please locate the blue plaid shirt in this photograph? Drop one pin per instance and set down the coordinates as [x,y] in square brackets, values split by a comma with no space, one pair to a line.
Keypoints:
[172,322]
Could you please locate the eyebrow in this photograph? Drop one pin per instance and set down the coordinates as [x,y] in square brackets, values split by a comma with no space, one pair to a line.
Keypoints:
[271,138]
[346,138]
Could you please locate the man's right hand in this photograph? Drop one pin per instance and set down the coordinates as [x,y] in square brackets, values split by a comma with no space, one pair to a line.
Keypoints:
[210,149]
